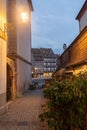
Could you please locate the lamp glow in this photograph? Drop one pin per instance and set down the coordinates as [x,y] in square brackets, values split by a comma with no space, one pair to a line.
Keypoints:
[24,17]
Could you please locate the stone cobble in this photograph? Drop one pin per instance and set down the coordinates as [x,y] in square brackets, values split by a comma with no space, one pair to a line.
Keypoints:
[23,113]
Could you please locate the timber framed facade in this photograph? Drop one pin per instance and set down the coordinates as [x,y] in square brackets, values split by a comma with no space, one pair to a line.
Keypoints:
[74,58]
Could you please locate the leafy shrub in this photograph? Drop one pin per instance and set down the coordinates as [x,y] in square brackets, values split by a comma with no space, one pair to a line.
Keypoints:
[66,104]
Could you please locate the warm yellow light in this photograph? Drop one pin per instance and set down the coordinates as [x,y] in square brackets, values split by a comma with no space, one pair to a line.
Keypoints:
[36,68]
[24,17]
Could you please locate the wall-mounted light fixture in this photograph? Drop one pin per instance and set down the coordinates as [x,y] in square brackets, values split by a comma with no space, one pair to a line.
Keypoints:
[10,26]
[24,16]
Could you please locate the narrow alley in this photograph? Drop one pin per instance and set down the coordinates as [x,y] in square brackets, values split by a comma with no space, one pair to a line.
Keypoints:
[23,113]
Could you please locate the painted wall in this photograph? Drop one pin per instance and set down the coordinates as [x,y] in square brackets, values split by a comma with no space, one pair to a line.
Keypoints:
[19,40]
[2,66]
[2,14]
[24,30]
[83,21]
[23,76]
[23,46]
[3,44]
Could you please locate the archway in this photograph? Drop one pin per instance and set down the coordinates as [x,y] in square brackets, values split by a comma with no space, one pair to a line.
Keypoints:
[9,83]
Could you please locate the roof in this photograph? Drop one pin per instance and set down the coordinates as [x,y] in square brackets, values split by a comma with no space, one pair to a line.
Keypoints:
[43,52]
[35,50]
[30,5]
[82,10]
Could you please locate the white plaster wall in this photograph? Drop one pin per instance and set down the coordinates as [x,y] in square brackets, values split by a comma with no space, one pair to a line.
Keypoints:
[23,75]
[83,21]
[2,48]
[23,31]
[23,46]
[2,66]
[2,14]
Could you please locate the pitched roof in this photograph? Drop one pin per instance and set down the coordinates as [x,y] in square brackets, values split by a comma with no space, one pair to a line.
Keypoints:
[43,52]
[82,10]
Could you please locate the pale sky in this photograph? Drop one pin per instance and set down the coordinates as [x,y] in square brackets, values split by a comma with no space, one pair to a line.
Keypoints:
[53,23]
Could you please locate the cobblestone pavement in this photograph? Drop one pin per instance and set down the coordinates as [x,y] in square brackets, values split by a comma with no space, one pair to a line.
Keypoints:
[23,113]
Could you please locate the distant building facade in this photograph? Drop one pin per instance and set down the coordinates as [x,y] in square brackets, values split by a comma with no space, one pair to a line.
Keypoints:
[74,58]
[44,62]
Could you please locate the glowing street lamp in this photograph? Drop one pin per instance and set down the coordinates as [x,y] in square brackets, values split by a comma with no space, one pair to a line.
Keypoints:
[11,26]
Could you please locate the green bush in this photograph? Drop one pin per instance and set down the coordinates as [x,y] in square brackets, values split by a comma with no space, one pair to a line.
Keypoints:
[66,104]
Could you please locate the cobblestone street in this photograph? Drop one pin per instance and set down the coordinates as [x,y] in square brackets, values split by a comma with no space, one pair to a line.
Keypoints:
[23,113]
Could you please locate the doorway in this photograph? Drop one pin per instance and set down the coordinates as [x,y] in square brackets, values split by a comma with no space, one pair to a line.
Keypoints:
[9,83]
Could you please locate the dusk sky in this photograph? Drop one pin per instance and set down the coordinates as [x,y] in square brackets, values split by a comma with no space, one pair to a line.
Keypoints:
[53,23]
